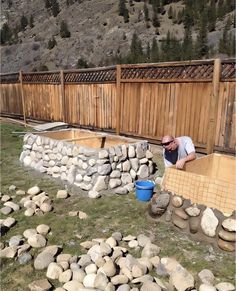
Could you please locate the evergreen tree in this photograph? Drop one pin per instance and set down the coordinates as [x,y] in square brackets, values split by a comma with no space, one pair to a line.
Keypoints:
[155,54]
[187,45]
[123,11]
[31,21]
[212,16]
[220,9]
[170,13]
[148,53]
[55,7]
[51,43]
[82,63]
[171,48]
[155,20]
[136,51]
[225,43]
[202,48]
[232,50]
[146,12]
[64,32]
[23,22]
[6,33]
[47,4]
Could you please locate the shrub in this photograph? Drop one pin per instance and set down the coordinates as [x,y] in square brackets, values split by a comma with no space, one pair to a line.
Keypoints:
[64,32]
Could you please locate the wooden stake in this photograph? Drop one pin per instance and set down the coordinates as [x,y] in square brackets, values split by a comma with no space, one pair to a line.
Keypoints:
[213,106]
[63,96]
[22,96]
[118,98]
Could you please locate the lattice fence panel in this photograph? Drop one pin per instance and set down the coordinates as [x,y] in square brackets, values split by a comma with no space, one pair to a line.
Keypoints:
[228,70]
[9,78]
[44,77]
[95,76]
[202,71]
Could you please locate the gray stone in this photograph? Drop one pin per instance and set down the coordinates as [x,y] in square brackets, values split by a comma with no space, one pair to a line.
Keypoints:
[5,198]
[143,161]
[103,161]
[143,240]
[103,154]
[24,258]
[126,178]
[13,205]
[46,207]
[209,222]
[140,151]
[229,224]
[8,252]
[91,170]
[100,281]
[179,222]
[104,169]
[34,190]
[78,275]
[121,191]
[29,212]
[42,260]
[162,200]
[149,154]
[225,286]
[15,240]
[73,286]
[65,276]
[193,211]
[85,186]
[79,178]
[143,171]
[150,286]
[9,222]
[206,287]
[181,213]
[40,285]
[133,174]
[94,194]
[37,241]
[124,287]
[113,183]
[129,187]
[109,268]
[177,201]
[131,152]
[181,279]
[150,250]
[43,229]
[134,164]
[126,166]
[27,161]
[88,281]
[206,277]
[226,246]
[6,210]
[54,271]
[63,194]
[119,279]
[101,183]
[117,236]
[20,192]
[115,174]
[23,248]
[227,235]
[12,188]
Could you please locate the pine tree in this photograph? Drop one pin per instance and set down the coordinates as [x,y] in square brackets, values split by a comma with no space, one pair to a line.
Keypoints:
[202,48]
[170,13]
[6,33]
[23,22]
[31,21]
[64,32]
[51,43]
[136,51]
[155,54]
[224,43]
[212,16]
[155,20]
[148,53]
[55,7]
[82,63]
[146,12]
[123,11]
[187,45]
[47,4]
[220,9]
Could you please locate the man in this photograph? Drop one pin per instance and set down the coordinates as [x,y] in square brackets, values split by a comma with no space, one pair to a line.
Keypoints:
[177,151]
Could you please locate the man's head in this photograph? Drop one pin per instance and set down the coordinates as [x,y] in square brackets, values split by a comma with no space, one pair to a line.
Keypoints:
[169,143]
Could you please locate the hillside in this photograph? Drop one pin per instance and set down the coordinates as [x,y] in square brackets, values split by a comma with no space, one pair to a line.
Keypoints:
[98,35]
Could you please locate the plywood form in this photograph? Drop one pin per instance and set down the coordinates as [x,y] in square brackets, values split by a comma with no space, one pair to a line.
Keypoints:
[214,187]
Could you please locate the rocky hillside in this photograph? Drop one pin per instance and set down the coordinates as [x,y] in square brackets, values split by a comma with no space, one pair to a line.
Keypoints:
[98,36]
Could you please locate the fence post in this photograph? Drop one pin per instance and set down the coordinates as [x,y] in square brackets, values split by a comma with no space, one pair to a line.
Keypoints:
[118,98]
[22,95]
[213,106]
[63,95]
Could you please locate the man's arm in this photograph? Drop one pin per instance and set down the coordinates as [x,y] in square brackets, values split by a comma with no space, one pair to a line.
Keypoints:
[190,157]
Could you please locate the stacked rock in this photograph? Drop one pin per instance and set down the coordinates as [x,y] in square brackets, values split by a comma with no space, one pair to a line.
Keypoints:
[90,169]
[19,248]
[36,202]
[227,235]
[198,220]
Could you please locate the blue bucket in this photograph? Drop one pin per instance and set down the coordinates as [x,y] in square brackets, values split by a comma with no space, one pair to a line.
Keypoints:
[144,190]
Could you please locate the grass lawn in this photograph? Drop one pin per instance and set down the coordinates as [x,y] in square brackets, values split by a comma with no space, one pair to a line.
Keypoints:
[106,215]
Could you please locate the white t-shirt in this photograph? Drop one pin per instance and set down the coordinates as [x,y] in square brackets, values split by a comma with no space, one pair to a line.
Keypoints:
[185,147]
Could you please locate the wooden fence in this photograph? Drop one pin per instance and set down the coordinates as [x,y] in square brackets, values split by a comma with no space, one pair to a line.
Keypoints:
[194,98]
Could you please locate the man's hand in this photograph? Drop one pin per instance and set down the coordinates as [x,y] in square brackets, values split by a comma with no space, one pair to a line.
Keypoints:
[180,164]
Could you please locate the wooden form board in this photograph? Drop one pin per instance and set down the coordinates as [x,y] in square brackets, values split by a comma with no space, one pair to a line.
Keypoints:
[216,190]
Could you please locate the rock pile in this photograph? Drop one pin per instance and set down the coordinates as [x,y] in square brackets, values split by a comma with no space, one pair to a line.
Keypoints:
[36,202]
[20,245]
[201,221]
[90,169]
[108,266]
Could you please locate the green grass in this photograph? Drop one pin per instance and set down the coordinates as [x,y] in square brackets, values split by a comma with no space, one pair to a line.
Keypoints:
[106,215]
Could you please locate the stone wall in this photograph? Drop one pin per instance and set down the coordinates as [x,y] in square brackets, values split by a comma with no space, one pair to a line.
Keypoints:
[88,168]
[201,222]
